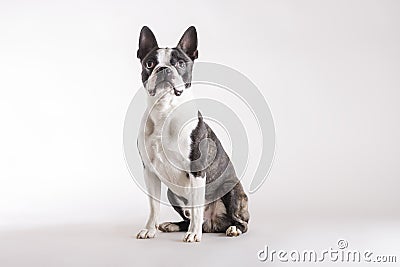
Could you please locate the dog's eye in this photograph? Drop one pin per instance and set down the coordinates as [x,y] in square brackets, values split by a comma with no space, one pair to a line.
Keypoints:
[181,64]
[150,64]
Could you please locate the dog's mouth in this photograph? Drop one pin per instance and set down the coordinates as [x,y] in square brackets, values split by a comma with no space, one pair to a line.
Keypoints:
[165,85]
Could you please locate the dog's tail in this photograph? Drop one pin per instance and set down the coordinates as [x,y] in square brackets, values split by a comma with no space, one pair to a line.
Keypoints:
[199,116]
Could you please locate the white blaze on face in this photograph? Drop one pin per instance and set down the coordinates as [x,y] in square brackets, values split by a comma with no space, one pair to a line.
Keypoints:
[164,57]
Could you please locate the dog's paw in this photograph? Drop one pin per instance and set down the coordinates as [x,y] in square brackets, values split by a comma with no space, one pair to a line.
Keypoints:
[192,237]
[233,231]
[168,227]
[146,233]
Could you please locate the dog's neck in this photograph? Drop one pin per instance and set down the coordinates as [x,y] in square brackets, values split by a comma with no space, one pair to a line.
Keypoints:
[160,107]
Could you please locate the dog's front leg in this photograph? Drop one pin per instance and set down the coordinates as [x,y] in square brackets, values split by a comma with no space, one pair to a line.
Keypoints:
[153,185]
[197,195]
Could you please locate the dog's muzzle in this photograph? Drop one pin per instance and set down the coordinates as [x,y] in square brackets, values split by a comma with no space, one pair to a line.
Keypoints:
[164,81]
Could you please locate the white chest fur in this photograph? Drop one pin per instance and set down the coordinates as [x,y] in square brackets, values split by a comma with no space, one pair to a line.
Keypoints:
[164,140]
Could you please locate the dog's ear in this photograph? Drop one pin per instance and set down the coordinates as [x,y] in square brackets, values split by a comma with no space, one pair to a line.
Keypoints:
[147,42]
[188,43]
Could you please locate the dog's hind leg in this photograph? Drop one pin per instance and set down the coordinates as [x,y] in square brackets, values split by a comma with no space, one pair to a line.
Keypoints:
[236,209]
[181,226]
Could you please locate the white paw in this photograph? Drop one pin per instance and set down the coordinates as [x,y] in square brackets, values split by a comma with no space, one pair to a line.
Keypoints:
[233,231]
[146,233]
[192,237]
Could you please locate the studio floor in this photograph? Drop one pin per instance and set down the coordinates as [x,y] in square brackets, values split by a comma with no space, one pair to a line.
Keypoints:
[114,244]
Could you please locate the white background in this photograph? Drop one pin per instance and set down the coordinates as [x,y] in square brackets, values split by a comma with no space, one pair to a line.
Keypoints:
[329,70]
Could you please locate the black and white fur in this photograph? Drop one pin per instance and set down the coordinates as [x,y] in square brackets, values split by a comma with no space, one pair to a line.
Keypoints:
[174,153]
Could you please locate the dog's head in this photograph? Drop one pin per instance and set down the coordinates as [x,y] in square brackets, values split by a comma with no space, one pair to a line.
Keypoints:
[167,70]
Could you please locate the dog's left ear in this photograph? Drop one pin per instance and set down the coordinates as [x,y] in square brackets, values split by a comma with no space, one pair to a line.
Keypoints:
[188,43]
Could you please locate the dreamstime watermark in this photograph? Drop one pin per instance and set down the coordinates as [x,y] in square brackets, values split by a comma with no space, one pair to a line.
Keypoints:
[340,254]
[234,108]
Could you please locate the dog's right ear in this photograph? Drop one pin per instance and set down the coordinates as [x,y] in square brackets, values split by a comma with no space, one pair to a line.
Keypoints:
[147,42]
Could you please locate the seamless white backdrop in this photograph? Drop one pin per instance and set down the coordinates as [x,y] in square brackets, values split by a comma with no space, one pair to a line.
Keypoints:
[329,70]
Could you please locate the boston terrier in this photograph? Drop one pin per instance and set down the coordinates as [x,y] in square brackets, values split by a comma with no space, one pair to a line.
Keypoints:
[187,157]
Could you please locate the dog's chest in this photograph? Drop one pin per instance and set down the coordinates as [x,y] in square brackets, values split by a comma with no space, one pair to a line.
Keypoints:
[167,145]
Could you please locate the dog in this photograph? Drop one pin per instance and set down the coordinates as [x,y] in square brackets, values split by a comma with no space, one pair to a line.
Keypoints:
[188,158]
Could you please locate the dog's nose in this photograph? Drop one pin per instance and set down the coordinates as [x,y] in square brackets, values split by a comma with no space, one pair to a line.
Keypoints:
[166,70]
